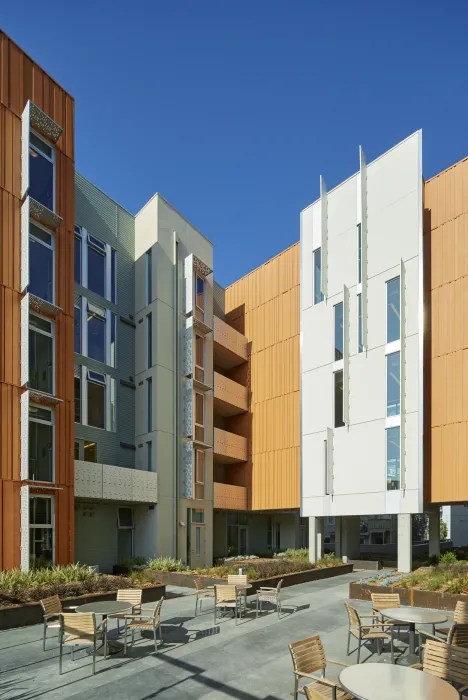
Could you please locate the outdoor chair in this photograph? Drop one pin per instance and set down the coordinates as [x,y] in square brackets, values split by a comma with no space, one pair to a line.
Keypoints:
[51,610]
[364,632]
[202,594]
[239,580]
[269,595]
[446,661]
[227,597]
[381,601]
[460,616]
[308,656]
[457,636]
[149,621]
[80,629]
[128,595]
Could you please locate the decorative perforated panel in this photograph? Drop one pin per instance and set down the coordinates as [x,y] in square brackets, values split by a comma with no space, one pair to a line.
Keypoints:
[25,150]
[43,307]
[24,520]
[88,479]
[40,397]
[201,327]
[24,336]
[186,463]
[41,122]
[24,435]
[201,267]
[187,408]
[45,216]
[187,368]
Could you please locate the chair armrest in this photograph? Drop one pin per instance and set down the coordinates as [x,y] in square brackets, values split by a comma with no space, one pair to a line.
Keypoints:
[71,607]
[418,666]
[137,617]
[267,588]
[340,663]
[102,625]
[427,634]
[325,681]
[364,616]
[380,624]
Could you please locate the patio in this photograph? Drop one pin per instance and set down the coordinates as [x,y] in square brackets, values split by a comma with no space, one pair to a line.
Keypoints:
[250,661]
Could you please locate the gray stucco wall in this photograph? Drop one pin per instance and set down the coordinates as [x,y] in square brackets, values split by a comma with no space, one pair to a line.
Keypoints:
[105,219]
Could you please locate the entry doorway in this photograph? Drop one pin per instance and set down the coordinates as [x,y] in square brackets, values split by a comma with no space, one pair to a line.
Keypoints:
[243,544]
[196,538]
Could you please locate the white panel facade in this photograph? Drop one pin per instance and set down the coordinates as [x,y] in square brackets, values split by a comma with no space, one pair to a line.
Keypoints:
[392,210]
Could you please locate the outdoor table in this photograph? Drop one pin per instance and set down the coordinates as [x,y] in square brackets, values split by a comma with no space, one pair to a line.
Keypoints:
[389,682]
[411,616]
[105,608]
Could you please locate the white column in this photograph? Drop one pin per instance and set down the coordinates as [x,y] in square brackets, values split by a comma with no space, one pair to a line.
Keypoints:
[405,558]
[350,536]
[339,536]
[315,539]
[434,532]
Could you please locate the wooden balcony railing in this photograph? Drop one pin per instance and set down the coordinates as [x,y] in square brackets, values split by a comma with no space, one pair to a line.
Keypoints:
[229,446]
[230,497]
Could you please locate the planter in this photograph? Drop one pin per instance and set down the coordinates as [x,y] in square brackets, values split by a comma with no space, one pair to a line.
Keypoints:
[174,578]
[31,613]
[409,596]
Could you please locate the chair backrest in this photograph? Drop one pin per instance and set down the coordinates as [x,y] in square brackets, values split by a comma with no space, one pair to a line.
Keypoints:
[226,594]
[353,616]
[458,635]
[52,605]
[237,579]
[199,585]
[130,595]
[157,610]
[446,661]
[79,624]
[380,601]
[308,655]
[461,613]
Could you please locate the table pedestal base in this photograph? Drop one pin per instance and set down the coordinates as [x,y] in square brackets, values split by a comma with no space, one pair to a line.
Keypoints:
[113,647]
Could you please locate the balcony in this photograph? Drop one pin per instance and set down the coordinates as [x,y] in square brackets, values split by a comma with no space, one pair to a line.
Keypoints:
[228,497]
[230,346]
[230,398]
[106,482]
[229,448]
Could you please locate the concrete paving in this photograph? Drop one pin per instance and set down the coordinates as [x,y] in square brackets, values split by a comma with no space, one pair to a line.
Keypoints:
[198,659]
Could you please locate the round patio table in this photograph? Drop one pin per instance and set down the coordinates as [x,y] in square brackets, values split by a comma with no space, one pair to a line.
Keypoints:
[411,616]
[105,608]
[389,682]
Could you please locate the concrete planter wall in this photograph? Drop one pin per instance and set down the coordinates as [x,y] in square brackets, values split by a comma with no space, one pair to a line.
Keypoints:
[31,613]
[409,596]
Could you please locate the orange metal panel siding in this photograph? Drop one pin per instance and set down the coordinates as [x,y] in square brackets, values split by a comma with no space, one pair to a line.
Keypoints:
[446,233]
[264,306]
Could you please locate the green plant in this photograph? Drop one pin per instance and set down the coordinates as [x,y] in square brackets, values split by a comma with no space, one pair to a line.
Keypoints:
[443,530]
[166,564]
[448,558]
[302,554]
[328,560]
[435,582]
[130,562]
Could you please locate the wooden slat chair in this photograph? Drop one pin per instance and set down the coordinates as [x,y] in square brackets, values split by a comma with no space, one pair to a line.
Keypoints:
[457,636]
[270,595]
[227,597]
[149,621]
[239,580]
[364,632]
[308,656]
[460,616]
[446,661]
[202,594]
[128,595]
[51,611]
[80,629]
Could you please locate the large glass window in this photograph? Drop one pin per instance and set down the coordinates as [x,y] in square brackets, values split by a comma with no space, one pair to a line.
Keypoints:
[393,458]
[200,296]
[78,328]
[41,354]
[318,296]
[41,532]
[393,310]
[360,347]
[113,341]
[41,265]
[393,384]
[149,456]
[113,405]
[149,340]
[41,171]
[149,404]
[199,474]
[90,451]
[96,333]
[149,277]
[359,243]
[199,358]
[41,443]
[96,400]
[199,417]
[78,398]
[338,309]
[78,259]
[113,280]
[338,398]
[96,266]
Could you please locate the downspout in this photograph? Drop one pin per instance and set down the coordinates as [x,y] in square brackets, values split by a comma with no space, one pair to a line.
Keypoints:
[176,397]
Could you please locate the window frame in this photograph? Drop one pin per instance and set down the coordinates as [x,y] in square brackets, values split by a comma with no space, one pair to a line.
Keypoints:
[149,456]
[392,343]
[96,380]
[46,245]
[88,443]
[48,335]
[78,237]
[149,404]
[42,422]
[387,433]
[342,424]
[102,318]
[321,295]
[51,159]
[113,276]
[78,307]
[95,245]
[199,483]
[149,340]
[336,359]
[42,527]
[392,420]
[195,423]
[360,327]
[197,366]
[359,253]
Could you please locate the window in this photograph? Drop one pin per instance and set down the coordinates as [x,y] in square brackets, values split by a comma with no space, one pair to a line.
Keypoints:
[360,346]
[78,259]
[78,397]
[393,384]
[149,340]
[318,296]
[149,277]
[96,333]
[199,417]
[41,443]
[149,456]
[41,532]
[90,451]
[41,267]
[96,266]
[41,171]
[338,331]
[199,474]
[393,310]
[41,354]
[125,533]
[96,400]
[393,458]
[200,295]
[112,405]
[359,256]
[113,341]
[77,450]
[338,398]
[198,516]
[113,279]
[149,404]
[78,327]
[199,358]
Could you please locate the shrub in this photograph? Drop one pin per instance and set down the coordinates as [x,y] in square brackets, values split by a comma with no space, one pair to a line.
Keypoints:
[130,562]
[435,583]
[166,564]
[328,560]
[448,558]
[302,554]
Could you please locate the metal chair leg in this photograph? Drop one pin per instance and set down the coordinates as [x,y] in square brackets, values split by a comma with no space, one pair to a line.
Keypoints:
[155,640]
[105,642]
[256,615]
[359,650]
[94,656]
[125,639]
[296,687]
[392,655]
[349,639]
[44,636]
[61,654]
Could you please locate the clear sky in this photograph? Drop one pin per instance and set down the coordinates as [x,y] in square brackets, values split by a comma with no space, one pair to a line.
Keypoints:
[231,109]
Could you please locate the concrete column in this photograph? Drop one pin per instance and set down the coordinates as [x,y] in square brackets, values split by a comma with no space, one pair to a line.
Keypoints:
[434,532]
[405,552]
[351,536]
[315,539]
[339,537]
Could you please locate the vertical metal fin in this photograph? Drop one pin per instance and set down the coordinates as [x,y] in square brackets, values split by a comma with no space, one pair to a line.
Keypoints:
[25,244]
[189,285]
[24,534]
[24,335]
[24,436]
[345,355]
[324,235]
[362,211]
[402,377]
[329,461]
[25,126]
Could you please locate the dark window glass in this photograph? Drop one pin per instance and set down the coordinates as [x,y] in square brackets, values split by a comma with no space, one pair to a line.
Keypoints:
[96,337]
[338,332]
[77,329]
[149,277]
[41,179]
[40,511]
[41,270]
[96,272]
[125,517]
[77,259]
[318,296]
[359,233]
[90,451]
[393,310]
[113,276]
[40,361]
[113,347]
[96,405]
[393,458]
[40,451]
[338,399]
[77,450]
[393,384]
[77,400]
[149,404]
[149,455]
[149,340]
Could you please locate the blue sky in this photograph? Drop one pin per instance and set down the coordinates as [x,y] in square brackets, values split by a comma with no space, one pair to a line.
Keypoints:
[231,109]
